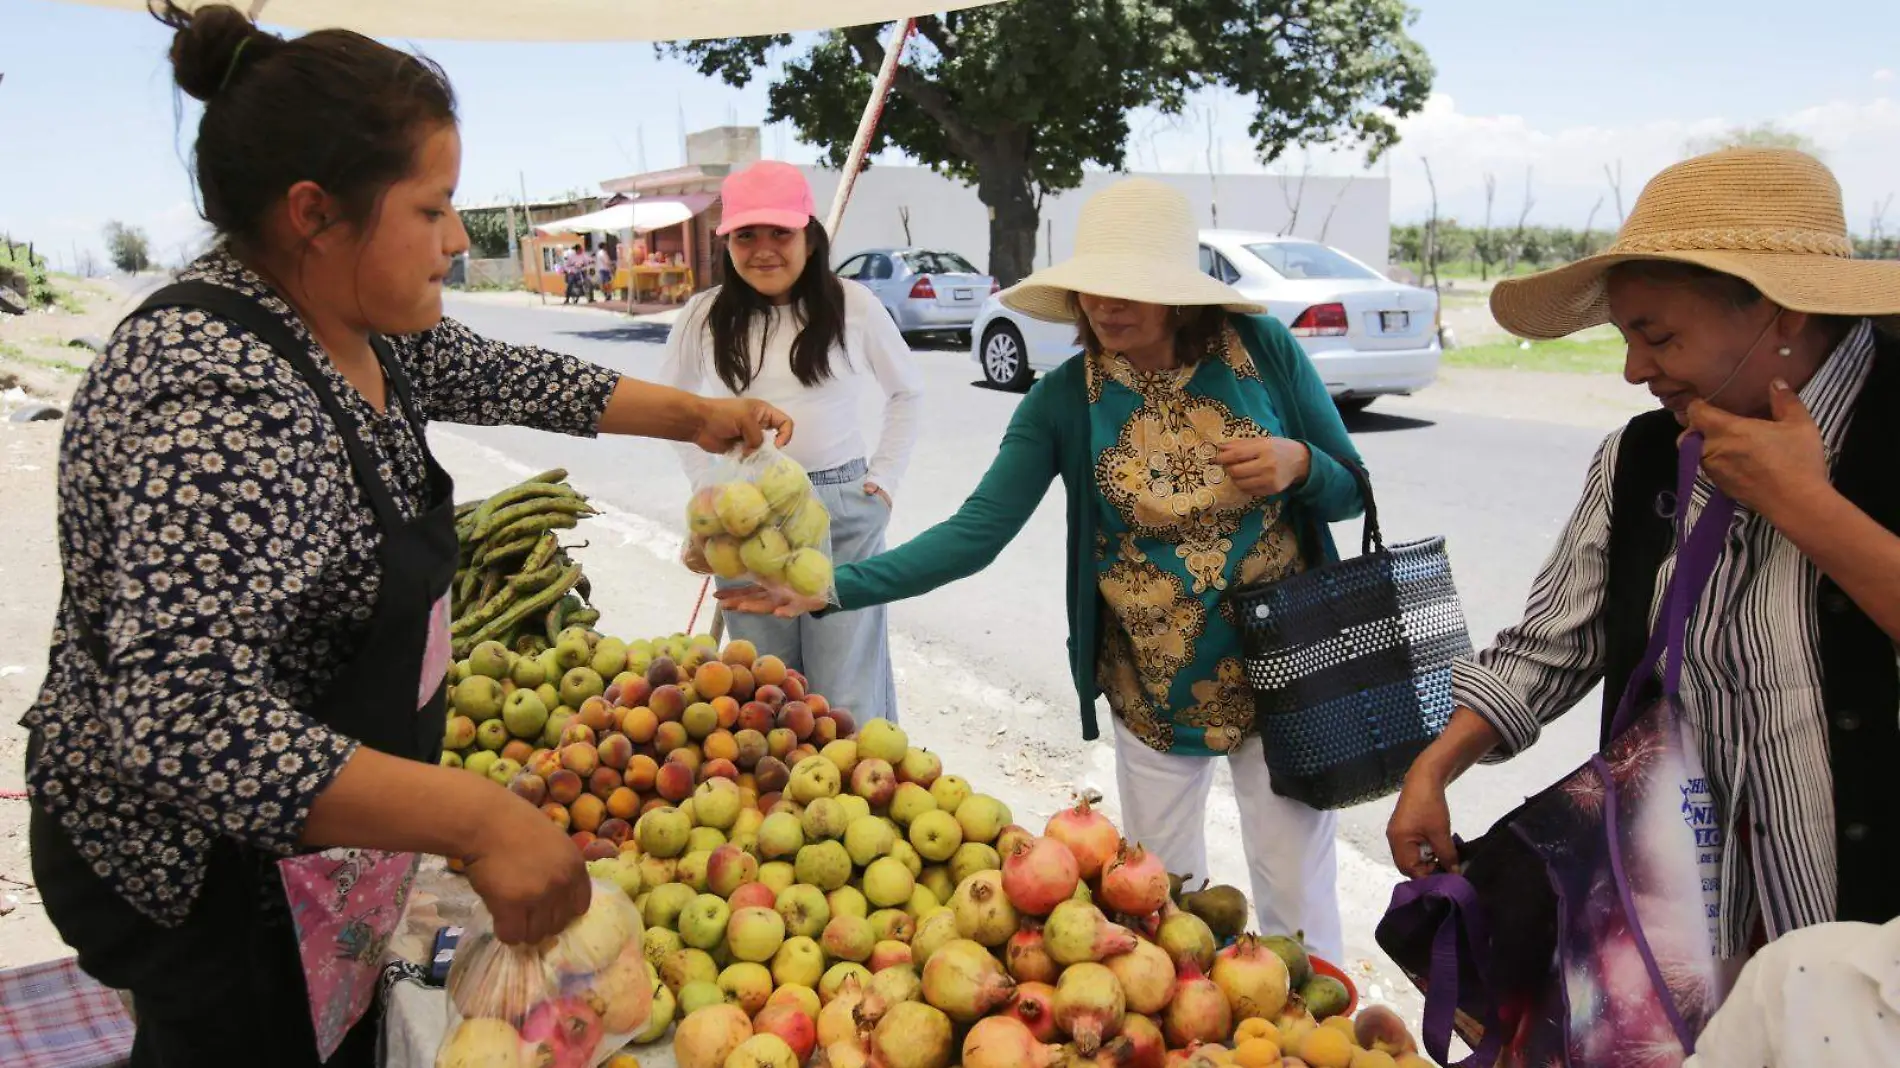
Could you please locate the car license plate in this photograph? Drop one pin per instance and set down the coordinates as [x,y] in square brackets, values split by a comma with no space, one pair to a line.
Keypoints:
[965,294]
[1394,321]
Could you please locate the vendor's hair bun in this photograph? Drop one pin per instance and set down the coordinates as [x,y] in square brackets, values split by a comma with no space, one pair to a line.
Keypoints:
[212,45]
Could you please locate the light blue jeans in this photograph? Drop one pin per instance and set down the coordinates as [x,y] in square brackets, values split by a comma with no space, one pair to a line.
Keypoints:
[846,655]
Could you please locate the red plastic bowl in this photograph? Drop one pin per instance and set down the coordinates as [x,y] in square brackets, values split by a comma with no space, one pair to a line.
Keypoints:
[1326,967]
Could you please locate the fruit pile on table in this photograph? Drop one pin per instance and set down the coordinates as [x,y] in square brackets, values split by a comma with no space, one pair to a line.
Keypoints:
[815,893]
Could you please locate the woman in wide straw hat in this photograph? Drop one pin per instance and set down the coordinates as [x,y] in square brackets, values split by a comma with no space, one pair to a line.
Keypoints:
[1198,450]
[1733,284]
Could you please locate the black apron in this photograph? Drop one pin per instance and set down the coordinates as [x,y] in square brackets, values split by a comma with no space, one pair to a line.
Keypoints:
[227,985]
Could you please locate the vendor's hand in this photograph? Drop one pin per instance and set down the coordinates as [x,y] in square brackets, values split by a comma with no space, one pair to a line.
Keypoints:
[872,489]
[1771,465]
[765,600]
[694,557]
[1421,824]
[1262,467]
[740,421]
[527,872]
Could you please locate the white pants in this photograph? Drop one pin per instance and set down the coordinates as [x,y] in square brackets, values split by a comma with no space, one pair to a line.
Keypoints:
[1289,846]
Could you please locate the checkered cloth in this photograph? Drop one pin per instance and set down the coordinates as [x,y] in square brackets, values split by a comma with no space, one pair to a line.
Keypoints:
[53,1015]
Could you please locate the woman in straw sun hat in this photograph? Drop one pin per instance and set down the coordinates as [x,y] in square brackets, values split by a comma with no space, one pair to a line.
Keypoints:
[1198,450]
[1733,284]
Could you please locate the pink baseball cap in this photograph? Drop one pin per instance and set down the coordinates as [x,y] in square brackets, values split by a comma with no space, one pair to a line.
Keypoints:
[768,193]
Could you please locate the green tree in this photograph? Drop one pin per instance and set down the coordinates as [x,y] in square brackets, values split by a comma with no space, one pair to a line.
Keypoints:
[1017,99]
[1764,135]
[128,246]
[488,231]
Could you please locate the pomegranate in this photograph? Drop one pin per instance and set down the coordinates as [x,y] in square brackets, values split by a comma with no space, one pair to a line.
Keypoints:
[1002,1042]
[1199,1011]
[892,986]
[1035,1006]
[1039,875]
[706,1038]
[561,1033]
[852,1053]
[965,981]
[1144,1044]
[1077,932]
[1134,883]
[789,1023]
[1253,978]
[1088,834]
[837,1021]
[1090,1005]
[1186,937]
[1146,974]
[984,914]
[912,1035]
[1027,958]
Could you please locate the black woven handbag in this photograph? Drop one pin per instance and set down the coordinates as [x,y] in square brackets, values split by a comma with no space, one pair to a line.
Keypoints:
[1350,665]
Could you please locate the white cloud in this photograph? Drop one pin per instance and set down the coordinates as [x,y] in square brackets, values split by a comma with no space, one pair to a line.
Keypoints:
[1884,74]
[1859,140]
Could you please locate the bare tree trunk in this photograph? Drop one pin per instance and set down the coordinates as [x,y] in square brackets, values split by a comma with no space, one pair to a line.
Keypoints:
[1296,197]
[1213,171]
[1483,248]
[1517,237]
[903,213]
[1327,223]
[1583,240]
[1616,187]
[1430,250]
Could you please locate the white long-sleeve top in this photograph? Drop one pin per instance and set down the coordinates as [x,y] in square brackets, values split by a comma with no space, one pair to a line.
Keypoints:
[828,433]
[1824,995]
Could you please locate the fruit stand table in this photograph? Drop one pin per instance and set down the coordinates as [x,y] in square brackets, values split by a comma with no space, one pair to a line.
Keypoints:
[416,1017]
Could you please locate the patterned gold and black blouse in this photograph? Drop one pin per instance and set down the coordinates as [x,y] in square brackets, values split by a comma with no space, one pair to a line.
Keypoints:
[1174,535]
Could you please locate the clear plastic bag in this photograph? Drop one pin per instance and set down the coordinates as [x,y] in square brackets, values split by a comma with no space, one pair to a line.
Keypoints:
[570,1002]
[755,518]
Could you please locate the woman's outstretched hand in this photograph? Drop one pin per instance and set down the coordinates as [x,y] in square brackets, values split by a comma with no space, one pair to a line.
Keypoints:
[766,601]
[741,422]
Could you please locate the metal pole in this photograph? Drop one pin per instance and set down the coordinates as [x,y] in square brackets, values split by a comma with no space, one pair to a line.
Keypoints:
[528,210]
[867,127]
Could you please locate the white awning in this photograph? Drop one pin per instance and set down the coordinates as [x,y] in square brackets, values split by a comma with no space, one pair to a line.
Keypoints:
[574,20]
[639,216]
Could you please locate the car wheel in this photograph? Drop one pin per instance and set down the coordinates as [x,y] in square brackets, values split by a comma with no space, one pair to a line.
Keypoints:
[1353,405]
[1005,359]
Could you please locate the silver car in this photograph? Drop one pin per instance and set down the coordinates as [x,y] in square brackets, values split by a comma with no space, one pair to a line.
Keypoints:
[925,290]
[1366,335]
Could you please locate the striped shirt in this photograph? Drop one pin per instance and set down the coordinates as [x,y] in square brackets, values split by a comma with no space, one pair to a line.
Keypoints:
[1751,681]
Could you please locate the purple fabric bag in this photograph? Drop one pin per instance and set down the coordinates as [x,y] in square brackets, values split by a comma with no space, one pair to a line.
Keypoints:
[1579,930]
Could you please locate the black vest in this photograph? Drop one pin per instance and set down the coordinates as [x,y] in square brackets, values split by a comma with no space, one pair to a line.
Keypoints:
[1860,681]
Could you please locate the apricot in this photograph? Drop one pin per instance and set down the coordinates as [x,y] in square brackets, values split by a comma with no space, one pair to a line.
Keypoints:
[769,671]
[638,724]
[728,710]
[720,745]
[712,680]
[668,703]
[581,758]
[640,772]
[675,781]
[557,813]
[740,654]
[603,782]
[587,812]
[623,804]
[597,714]
[671,735]
[743,685]
[565,787]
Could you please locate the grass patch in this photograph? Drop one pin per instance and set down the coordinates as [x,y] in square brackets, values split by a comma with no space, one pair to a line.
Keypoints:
[1587,353]
[51,363]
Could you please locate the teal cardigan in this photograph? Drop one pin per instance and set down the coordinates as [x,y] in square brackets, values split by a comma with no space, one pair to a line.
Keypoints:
[1048,437]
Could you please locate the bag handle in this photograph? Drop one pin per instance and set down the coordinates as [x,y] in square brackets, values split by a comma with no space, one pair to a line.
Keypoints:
[1698,550]
[1461,937]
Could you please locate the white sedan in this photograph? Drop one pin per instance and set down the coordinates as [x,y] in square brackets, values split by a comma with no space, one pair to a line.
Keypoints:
[1367,335]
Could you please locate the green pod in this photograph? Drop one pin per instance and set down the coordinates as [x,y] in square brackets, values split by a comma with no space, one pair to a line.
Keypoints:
[533,526]
[522,610]
[502,518]
[499,551]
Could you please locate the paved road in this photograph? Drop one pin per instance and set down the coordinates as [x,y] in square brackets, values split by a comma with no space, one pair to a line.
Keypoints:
[1499,489]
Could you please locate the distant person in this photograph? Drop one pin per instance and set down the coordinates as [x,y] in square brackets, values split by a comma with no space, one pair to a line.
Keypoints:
[245,690]
[1735,287]
[604,270]
[574,270]
[1198,451]
[783,328]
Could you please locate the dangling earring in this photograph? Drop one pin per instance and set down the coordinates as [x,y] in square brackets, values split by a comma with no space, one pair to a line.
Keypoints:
[1785,352]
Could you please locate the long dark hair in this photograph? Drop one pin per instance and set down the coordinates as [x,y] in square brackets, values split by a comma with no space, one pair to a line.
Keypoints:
[331,107]
[817,303]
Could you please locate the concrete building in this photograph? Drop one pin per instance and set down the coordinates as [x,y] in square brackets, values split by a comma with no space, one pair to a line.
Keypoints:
[1350,214]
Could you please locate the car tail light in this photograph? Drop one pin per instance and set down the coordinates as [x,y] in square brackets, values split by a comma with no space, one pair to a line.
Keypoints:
[1321,320]
[995,287]
[923,290]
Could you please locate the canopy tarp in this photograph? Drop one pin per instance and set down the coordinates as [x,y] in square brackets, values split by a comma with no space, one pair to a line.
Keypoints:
[639,216]
[575,20]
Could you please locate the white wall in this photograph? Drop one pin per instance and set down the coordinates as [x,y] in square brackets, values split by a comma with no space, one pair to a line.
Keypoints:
[947,215]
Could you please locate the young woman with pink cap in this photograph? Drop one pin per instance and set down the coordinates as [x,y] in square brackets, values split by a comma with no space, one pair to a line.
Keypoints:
[784,329]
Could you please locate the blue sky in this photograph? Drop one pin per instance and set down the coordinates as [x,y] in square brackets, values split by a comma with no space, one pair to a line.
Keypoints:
[88,131]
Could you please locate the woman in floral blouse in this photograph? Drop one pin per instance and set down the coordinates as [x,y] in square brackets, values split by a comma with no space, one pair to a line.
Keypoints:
[1199,452]
[248,661]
